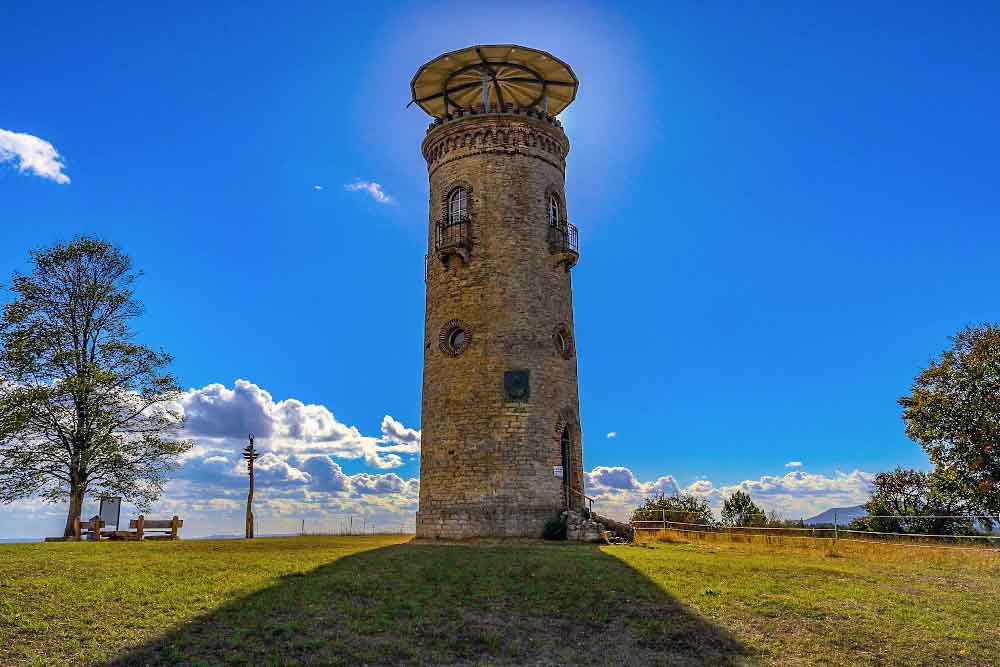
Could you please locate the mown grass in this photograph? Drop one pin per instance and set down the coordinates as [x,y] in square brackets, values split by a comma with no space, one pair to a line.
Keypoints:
[382,601]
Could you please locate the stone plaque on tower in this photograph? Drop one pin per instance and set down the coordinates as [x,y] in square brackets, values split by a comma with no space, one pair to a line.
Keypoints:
[500,406]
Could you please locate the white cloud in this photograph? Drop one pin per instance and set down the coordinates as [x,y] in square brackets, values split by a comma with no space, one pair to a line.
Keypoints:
[794,464]
[30,153]
[406,440]
[612,478]
[617,491]
[373,189]
[317,188]
[612,434]
[218,416]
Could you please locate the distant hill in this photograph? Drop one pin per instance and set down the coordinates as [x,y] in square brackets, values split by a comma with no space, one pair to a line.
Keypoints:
[845,515]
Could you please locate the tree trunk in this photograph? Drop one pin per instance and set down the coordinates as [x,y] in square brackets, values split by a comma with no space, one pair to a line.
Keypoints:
[75,509]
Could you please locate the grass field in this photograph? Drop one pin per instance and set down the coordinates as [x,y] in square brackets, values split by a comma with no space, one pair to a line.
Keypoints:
[382,601]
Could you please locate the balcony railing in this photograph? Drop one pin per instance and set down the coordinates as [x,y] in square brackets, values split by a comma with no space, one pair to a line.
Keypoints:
[564,241]
[453,236]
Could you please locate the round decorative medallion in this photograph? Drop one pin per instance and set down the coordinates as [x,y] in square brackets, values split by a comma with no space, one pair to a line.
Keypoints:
[454,338]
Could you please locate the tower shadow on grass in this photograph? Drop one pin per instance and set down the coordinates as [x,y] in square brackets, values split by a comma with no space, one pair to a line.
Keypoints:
[429,604]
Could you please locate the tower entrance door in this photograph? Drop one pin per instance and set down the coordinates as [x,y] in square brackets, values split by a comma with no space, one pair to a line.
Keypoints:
[567,466]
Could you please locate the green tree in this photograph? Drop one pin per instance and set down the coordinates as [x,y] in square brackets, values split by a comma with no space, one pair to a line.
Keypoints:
[953,412]
[84,410]
[680,508]
[911,501]
[740,510]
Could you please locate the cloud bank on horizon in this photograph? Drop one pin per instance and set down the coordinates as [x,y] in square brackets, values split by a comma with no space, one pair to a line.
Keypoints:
[32,154]
[299,476]
[796,494]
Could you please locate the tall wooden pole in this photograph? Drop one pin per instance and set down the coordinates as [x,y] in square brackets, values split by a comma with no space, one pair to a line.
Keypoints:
[250,454]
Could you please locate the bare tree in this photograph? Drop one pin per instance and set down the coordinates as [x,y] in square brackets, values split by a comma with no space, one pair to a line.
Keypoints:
[84,410]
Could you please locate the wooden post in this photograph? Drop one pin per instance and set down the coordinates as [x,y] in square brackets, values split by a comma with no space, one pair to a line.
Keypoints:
[173,527]
[139,526]
[95,528]
[250,454]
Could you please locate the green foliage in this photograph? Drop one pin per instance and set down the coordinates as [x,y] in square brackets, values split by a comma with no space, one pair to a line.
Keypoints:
[83,408]
[681,508]
[555,529]
[911,501]
[740,510]
[953,411]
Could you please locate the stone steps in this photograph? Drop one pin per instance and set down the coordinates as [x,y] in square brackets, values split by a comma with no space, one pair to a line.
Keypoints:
[595,528]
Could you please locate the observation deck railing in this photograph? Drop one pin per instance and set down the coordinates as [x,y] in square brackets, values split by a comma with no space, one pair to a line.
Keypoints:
[457,113]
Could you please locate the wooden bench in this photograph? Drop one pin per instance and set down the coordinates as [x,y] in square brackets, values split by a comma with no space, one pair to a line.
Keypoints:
[168,528]
[90,530]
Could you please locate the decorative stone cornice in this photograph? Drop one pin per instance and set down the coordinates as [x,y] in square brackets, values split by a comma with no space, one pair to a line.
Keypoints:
[496,133]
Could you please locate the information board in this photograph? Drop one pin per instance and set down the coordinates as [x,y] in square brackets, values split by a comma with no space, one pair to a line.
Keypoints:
[111,511]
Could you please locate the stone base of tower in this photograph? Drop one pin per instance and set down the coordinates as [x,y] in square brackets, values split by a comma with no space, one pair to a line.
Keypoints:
[459,522]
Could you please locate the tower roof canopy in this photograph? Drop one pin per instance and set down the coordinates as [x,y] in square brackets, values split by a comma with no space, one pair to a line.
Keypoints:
[494,76]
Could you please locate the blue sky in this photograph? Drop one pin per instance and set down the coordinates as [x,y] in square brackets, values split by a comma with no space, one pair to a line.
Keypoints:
[784,213]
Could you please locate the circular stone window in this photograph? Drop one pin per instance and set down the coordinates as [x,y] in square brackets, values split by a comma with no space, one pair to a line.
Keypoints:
[454,338]
[563,341]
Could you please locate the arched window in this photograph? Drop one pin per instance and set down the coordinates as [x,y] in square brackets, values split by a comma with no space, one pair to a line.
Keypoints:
[458,206]
[555,213]
[564,341]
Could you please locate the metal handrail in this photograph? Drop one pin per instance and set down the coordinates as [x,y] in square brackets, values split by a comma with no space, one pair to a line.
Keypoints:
[564,237]
[590,500]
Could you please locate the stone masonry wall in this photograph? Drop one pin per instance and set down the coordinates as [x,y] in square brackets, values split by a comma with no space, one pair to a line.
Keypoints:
[487,463]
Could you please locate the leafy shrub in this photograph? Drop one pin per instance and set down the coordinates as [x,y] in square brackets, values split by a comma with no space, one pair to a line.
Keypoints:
[740,510]
[555,529]
[912,501]
[682,509]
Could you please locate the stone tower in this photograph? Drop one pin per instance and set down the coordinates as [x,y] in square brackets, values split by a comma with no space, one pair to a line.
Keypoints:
[501,439]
